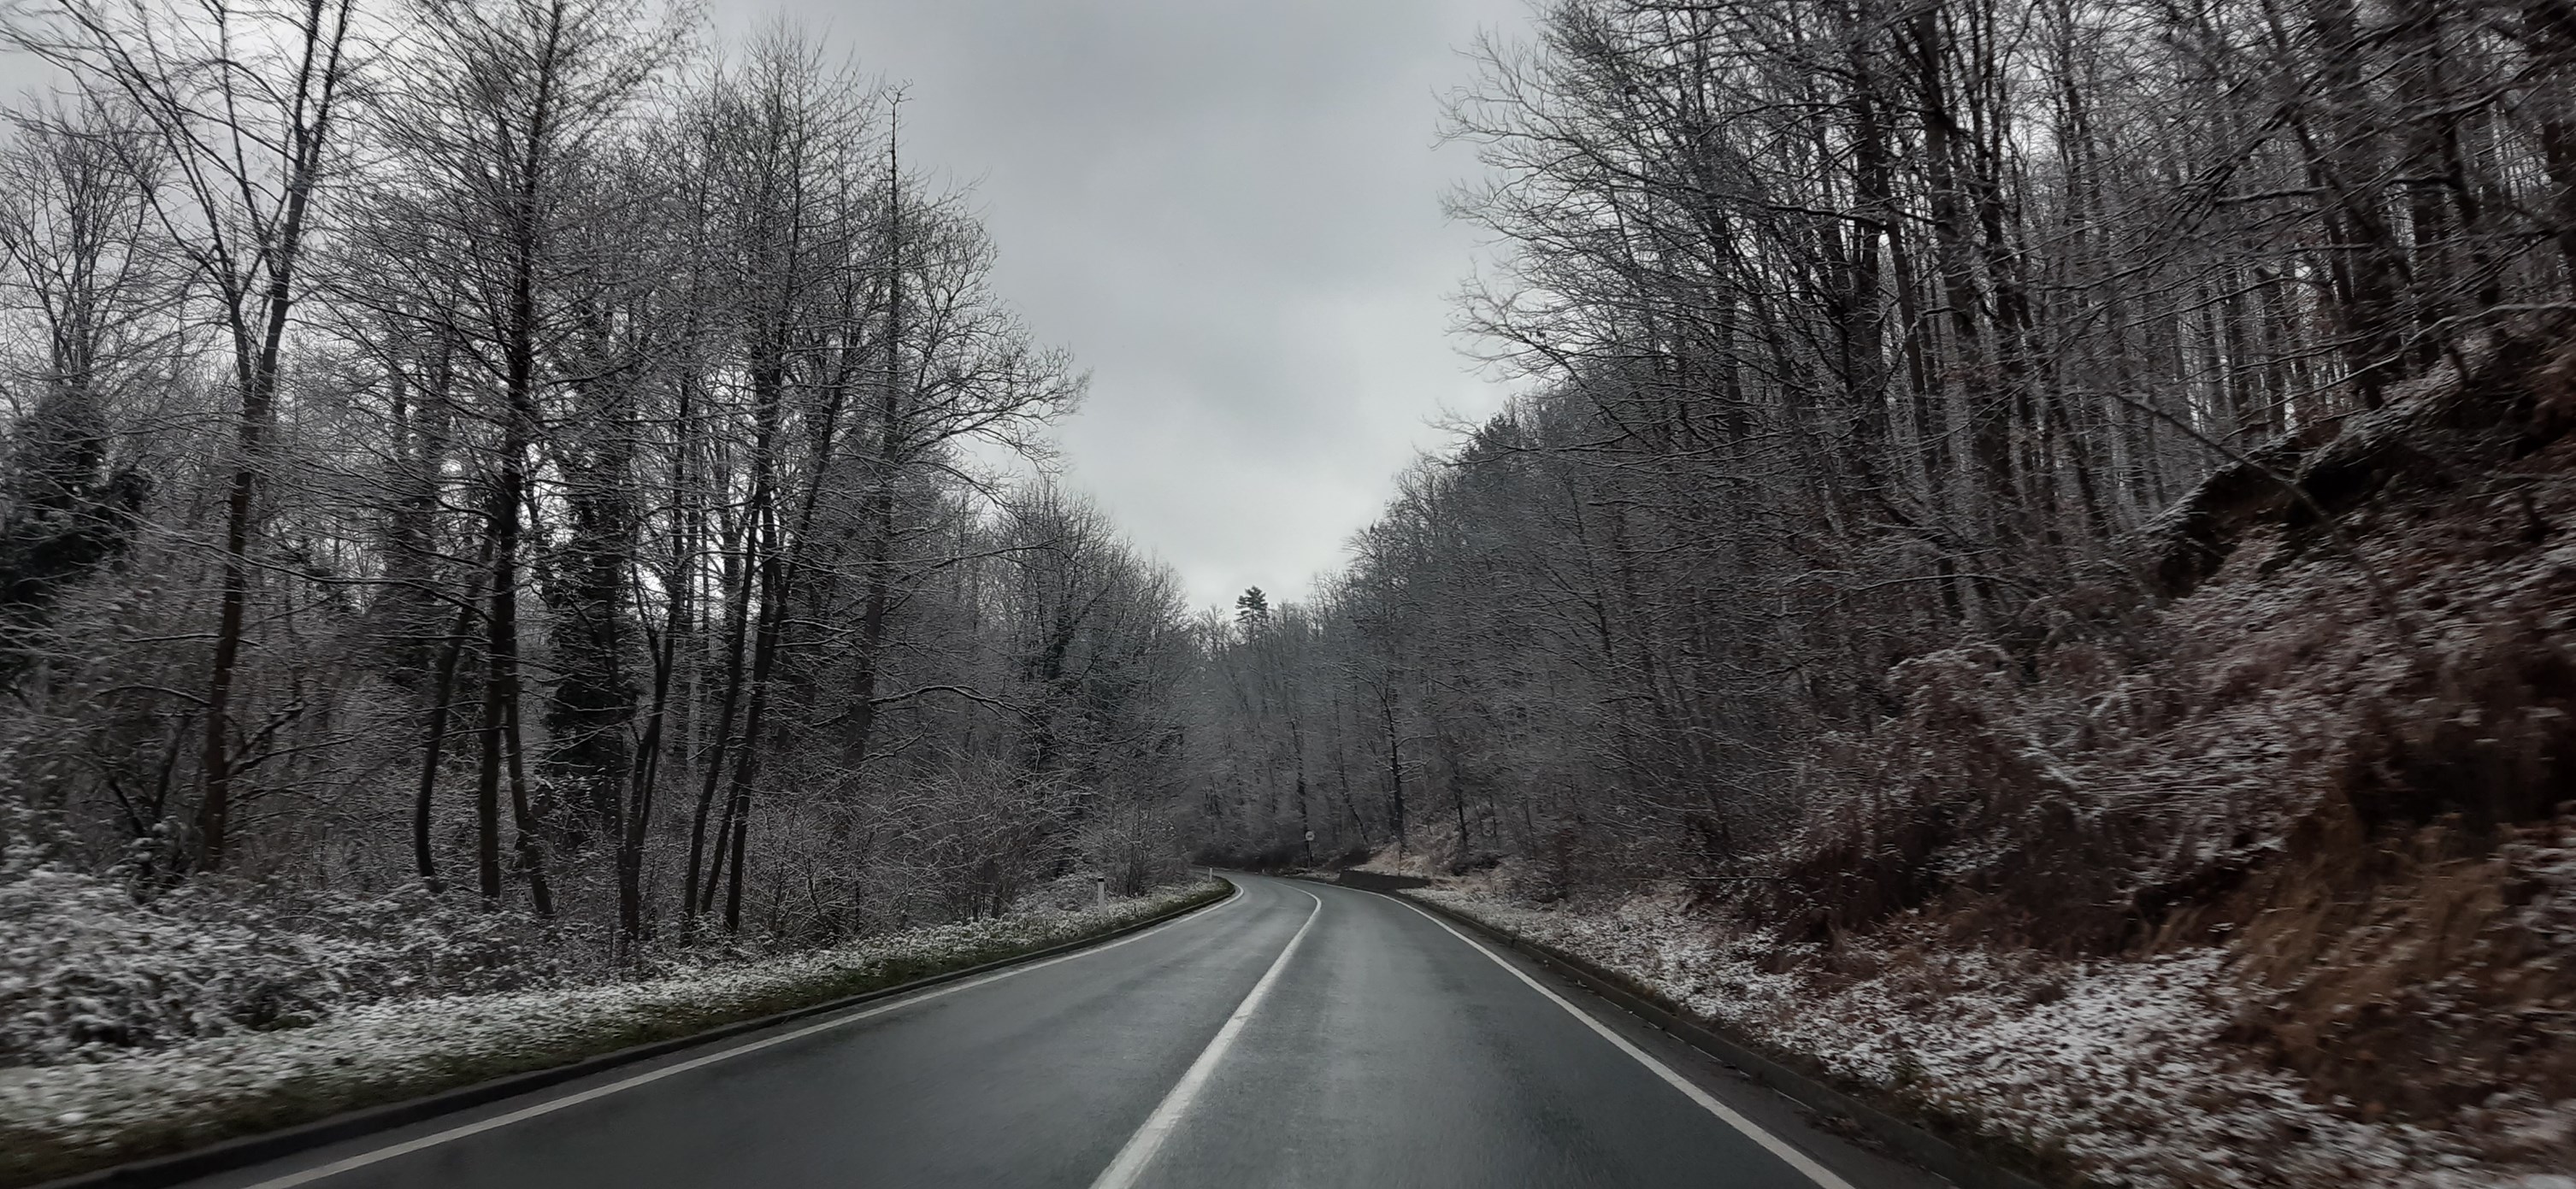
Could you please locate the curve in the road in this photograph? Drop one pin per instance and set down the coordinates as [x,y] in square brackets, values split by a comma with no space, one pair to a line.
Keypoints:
[1139,1152]
[1295,1034]
[523,1114]
[1788,1154]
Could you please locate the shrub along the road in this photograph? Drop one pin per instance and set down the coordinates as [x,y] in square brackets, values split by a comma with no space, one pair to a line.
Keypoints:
[63,1119]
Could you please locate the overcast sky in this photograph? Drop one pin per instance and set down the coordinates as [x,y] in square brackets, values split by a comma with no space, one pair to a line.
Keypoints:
[1230,211]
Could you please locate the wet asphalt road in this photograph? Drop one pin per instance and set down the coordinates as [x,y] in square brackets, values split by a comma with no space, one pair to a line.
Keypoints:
[1384,1051]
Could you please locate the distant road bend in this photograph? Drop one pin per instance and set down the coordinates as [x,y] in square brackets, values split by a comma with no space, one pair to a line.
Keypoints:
[1297,1034]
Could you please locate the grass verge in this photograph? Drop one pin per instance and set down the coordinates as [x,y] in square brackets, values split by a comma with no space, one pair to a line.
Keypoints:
[1982,1151]
[60,1121]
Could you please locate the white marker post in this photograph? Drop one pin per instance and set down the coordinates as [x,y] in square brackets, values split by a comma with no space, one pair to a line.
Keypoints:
[1100,888]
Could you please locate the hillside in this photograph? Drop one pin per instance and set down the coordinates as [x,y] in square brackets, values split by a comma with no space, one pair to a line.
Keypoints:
[2262,871]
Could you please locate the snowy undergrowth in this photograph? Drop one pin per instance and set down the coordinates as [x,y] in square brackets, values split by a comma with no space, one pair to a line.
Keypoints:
[92,974]
[2118,1066]
[61,1119]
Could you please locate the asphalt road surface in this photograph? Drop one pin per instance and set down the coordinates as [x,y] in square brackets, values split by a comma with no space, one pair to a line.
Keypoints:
[1297,1034]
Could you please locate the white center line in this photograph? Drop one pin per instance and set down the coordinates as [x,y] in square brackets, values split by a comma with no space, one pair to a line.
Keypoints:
[551,1105]
[1771,1143]
[1140,1149]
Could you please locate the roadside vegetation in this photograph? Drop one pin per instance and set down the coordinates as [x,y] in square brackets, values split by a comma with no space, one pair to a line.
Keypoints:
[2031,566]
[2101,1071]
[2034,568]
[235,1077]
[535,456]
[524,528]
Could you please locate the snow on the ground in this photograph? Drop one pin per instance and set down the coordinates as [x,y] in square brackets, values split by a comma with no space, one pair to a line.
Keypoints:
[88,972]
[2118,1064]
[58,1118]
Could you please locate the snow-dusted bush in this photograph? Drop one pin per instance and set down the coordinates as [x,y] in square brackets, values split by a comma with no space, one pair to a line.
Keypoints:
[2336,762]
[2123,1071]
[62,1119]
[2294,685]
[2253,863]
[90,972]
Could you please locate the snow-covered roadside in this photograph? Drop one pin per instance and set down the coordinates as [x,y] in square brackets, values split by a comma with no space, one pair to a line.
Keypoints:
[2118,1065]
[62,1119]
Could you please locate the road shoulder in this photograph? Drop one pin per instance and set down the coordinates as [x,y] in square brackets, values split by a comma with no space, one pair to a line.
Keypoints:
[161,1119]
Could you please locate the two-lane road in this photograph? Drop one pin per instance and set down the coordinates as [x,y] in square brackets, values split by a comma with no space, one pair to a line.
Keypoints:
[1297,1034]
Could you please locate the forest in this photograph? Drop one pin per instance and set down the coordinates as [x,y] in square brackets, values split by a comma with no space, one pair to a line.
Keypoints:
[1892,355]
[2002,485]
[2082,478]
[547,462]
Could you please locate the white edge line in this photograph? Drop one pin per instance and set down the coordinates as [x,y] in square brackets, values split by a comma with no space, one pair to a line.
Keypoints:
[1771,1143]
[551,1105]
[1141,1147]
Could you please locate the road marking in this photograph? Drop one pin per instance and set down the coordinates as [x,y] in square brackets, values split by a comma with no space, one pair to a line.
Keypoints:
[1771,1143]
[1140,1149]
[525,1113]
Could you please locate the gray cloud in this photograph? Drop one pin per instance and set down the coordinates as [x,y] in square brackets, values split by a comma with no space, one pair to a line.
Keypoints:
[1230,212]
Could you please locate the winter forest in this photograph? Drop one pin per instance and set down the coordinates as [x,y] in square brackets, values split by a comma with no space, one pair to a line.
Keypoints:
[1885,354]
[548,462]
[529,492]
